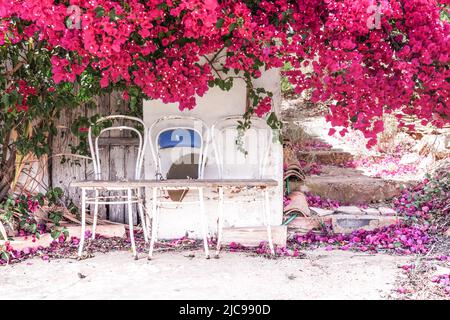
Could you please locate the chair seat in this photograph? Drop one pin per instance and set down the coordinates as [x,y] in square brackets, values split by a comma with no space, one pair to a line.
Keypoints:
[176,138]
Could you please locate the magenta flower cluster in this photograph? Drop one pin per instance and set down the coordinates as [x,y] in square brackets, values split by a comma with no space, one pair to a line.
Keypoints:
[430,198]
[399,239]
[58,245]
[311,168]
[311,145]
[443,281]
[388,166]
[323,203]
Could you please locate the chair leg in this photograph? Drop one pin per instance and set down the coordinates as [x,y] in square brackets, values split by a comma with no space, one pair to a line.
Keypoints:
[83,221]
[148,222]
[141,215]
[204,222]
[94,224]
[267,220]
[220,222]
[130,223]
[154,223]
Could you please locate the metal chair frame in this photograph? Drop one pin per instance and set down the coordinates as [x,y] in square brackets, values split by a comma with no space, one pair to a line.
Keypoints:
[130,199]
[221,125]
[158,204]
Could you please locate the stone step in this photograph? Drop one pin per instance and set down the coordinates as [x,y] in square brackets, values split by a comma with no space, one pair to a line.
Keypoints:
[349,186]
[349,223]
[355,190]
[325,157]
[341,223]
[354,210]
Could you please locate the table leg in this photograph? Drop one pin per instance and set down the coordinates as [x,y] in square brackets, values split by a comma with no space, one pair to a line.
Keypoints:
[154,223]
[220,222]
[94,223]
[83,221]
[141,214]
[131,222]
[204,220]
[268,224]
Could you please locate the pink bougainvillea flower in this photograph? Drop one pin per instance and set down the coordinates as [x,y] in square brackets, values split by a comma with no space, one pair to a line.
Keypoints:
[366,67]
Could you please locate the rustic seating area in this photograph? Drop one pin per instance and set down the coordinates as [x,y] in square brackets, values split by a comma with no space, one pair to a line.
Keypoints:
[179,140]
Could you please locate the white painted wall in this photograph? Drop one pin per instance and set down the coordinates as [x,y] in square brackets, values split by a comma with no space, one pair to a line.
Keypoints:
[177,221]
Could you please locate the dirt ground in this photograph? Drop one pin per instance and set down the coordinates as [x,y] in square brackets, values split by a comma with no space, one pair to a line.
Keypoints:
[320,275]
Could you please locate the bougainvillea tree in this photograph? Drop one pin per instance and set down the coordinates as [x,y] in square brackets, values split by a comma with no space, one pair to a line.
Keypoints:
[363,57]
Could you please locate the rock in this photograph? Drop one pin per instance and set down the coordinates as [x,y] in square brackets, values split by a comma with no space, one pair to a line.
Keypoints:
[110,230]
[306,224]
[349,210]
[350,186]
[321,212]
[349,223]
[298,202]
[385,211]
[447,233]
[326,157]
[371,211]
[435,143]
[410,158]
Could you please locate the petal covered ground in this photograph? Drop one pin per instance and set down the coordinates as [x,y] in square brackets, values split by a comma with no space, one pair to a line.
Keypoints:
[187,275]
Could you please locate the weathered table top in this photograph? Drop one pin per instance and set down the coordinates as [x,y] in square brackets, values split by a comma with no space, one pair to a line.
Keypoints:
[176,183]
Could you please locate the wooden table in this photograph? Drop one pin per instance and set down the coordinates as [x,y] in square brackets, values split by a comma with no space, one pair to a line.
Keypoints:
[176,183]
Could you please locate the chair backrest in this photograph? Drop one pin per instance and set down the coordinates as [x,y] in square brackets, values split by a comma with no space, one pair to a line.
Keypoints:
[179,138]
[241,155]
[113,125]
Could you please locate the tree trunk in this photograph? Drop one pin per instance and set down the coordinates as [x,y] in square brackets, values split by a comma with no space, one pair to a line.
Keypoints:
[7,175]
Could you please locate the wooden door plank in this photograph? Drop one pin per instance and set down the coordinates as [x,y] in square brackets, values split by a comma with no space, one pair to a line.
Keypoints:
[116,164]
[101,108]
[74,169]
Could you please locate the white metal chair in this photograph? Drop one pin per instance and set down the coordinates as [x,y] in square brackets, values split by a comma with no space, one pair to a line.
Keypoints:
[129,199]
[177,135]
[248,162]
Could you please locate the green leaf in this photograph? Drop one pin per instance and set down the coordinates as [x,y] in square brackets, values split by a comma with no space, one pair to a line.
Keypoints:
[227,43]
[5,99]
[96,130]
[231,27]
[100,12]
[65,232]
[219,23]
[5,256]
[113,15]
[55,234]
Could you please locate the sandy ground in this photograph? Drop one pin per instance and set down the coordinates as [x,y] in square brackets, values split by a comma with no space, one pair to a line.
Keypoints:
[321,275]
